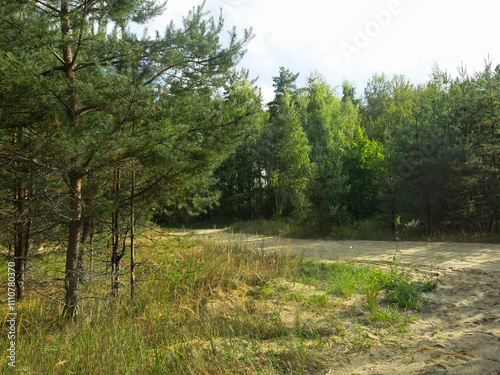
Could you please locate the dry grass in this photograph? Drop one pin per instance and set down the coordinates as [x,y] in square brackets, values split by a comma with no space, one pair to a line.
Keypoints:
[202,307]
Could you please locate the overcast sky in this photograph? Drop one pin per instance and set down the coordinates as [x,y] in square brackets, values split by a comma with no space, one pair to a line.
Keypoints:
[354,39]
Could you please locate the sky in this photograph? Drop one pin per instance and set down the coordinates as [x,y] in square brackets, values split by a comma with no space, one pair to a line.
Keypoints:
[352,40]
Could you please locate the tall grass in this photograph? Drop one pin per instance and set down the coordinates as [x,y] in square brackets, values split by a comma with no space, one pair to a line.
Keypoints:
[201,307]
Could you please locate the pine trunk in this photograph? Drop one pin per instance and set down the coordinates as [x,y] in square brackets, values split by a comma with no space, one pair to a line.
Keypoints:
[19,243]
[22,228]
[115,256]
[132,234]
[73,252]
[71,278]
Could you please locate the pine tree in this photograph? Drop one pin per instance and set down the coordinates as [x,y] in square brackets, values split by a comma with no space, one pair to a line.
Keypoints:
[116,98]
[24,113]
[474,122]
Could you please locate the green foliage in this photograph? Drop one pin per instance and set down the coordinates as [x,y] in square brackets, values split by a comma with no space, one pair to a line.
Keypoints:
[270,171]
[386,103]
[426,153]
[115,125]
[288,165]
[388,315]
[328,129]
[284,84]
[365,166]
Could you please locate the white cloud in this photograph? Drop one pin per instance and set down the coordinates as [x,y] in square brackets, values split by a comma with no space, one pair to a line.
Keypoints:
[308,36]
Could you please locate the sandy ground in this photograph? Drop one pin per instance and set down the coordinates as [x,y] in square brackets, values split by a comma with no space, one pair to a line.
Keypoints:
[457,334]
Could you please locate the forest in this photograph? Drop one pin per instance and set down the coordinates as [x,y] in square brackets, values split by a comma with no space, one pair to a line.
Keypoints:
[103,131]
[426,154]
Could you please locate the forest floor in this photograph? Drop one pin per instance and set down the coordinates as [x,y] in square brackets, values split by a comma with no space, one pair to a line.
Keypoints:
[457,333]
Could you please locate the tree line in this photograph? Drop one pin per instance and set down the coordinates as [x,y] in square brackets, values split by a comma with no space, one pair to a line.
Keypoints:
[427,154]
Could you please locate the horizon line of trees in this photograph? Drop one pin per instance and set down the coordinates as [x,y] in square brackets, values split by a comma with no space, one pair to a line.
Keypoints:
[427,153]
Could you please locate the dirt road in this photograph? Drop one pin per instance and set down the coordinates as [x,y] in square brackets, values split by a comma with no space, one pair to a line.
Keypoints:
[458,334]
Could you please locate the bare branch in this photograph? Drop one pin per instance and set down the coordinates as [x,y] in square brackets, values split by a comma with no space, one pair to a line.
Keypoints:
[52,8]
[86,110]
[51,71]
[10,58]
[58,57]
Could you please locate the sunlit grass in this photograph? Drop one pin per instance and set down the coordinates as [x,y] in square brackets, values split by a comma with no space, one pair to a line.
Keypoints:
[202,307]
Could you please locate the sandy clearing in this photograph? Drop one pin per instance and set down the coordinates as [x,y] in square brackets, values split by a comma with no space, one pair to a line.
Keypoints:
[458,334]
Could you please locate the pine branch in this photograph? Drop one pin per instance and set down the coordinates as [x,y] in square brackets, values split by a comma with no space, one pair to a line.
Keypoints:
[80,34]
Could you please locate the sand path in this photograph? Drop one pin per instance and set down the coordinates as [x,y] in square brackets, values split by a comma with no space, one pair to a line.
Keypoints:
[458,334]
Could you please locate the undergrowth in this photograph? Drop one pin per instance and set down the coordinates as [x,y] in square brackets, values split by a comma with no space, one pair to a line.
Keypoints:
[368,229]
